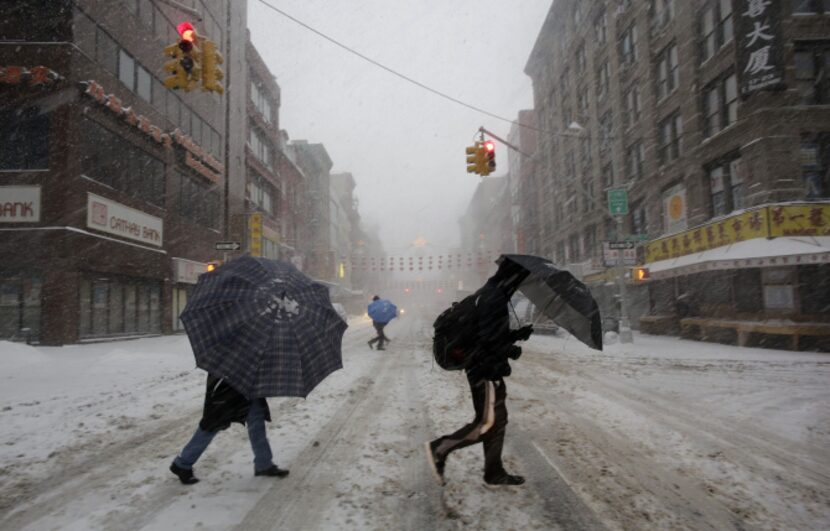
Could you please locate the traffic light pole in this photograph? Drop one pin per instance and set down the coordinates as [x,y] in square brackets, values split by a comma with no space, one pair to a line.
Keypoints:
[626,336]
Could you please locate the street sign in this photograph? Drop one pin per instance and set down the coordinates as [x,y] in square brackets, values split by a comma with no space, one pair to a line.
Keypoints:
[619,253]
[228,246]
[618,201]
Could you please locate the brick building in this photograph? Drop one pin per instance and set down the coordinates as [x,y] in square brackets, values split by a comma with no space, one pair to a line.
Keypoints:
[704,111]
[124,185]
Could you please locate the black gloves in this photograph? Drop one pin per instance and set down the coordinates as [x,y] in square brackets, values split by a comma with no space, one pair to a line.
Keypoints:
[523,333]
[514,352]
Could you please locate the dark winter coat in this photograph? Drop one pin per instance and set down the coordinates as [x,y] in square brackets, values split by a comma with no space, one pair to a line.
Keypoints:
[224,404]
[494,344]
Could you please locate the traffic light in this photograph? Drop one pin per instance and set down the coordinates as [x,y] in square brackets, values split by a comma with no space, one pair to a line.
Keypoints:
[185,66]
[211,73]
[473,156]
[490,156]
[640,274]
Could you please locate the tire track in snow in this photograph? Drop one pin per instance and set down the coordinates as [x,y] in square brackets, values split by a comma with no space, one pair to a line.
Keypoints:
[298,501]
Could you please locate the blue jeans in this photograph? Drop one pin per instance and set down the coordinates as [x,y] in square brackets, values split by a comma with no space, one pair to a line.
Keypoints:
[263,458]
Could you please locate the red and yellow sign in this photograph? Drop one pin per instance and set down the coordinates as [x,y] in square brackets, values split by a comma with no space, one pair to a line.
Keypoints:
[36,76]
[255,230]
[765,222]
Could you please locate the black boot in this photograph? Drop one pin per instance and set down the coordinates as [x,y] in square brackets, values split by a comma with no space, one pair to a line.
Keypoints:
[185,476]
[503,479]
[272,471]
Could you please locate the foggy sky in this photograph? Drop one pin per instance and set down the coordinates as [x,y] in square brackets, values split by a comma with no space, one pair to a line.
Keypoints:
[404,145]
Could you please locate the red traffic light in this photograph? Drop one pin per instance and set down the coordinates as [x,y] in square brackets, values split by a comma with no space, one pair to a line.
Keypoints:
[187,32]
[490,146]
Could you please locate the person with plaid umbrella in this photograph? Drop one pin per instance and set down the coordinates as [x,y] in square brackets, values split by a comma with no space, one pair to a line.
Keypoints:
[259,328]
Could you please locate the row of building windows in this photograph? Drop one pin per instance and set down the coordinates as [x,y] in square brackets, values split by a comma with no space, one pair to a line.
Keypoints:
[263,194]
[259,146]
[97,43]
[107,158]
[113,306]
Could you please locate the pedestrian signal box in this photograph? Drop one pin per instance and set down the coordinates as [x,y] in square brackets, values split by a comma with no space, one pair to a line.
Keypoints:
[640,274]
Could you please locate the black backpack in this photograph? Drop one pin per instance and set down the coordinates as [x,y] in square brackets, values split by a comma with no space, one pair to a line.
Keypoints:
[455,334]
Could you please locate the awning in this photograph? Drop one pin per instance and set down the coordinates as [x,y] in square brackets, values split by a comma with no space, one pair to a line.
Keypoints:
[758,252]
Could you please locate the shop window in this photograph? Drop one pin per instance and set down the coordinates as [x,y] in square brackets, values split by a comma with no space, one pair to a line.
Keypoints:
[812,67]
[815,165]
[813,289]
[130,309]
[100,307]
[9,307]
[727,185]
[20,297]
[24,139]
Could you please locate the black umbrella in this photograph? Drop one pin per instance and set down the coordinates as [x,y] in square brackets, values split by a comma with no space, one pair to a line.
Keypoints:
[265,327]
[558,295]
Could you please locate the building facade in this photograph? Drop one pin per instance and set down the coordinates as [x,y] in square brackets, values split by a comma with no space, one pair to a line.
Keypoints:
[698,110]
[315,164]
[115,188]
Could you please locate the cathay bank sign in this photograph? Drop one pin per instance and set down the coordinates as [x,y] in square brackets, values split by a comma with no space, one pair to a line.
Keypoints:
[19,204]
[108,216]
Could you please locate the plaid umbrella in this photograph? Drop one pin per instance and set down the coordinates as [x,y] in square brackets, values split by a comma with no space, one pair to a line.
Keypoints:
[265,327]
[558,295]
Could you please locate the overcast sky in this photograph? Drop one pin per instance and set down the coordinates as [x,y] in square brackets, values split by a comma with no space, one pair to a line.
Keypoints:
[404,145]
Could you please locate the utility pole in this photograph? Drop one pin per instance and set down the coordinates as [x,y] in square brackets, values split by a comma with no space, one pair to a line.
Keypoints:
[626,336]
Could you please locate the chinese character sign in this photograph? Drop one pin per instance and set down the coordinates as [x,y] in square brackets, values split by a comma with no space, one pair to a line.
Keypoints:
[760,45]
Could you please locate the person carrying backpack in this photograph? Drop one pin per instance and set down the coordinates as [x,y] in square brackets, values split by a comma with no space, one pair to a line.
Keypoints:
[484,335]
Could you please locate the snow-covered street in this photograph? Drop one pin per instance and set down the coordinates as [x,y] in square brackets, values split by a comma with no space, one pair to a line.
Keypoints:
[661,434]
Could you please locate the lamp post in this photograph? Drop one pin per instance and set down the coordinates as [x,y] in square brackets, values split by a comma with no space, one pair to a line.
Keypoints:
[626,336]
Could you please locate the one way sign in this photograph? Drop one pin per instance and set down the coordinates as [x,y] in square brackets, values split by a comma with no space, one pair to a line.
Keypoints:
[228,246]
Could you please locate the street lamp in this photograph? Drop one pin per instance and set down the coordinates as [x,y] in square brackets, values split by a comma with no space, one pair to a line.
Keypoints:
[626,335]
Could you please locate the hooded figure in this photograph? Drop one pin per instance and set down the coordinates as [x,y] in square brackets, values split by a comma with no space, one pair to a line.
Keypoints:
[488,366]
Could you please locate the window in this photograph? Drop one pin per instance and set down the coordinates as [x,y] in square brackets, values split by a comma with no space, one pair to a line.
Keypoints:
[262,194]
[812,67]
[667,71]
[126,69]
[585,148]
[601,27]
[815,165]
[24,139]
[628,45]
[810,7]
[198,200]
[720,104]
[110,160]
[727,186]
[258,146]
[106,51]
[638,219]
[608,175]
[580,59]
[631,106]
[260,102]
[582,103]
[670,132]
[603,79]
[20,305]
[590,241]
[634,157]
[662,12]
[716,27]
[143,84]
[573,248]
[606,127]
[115,306]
